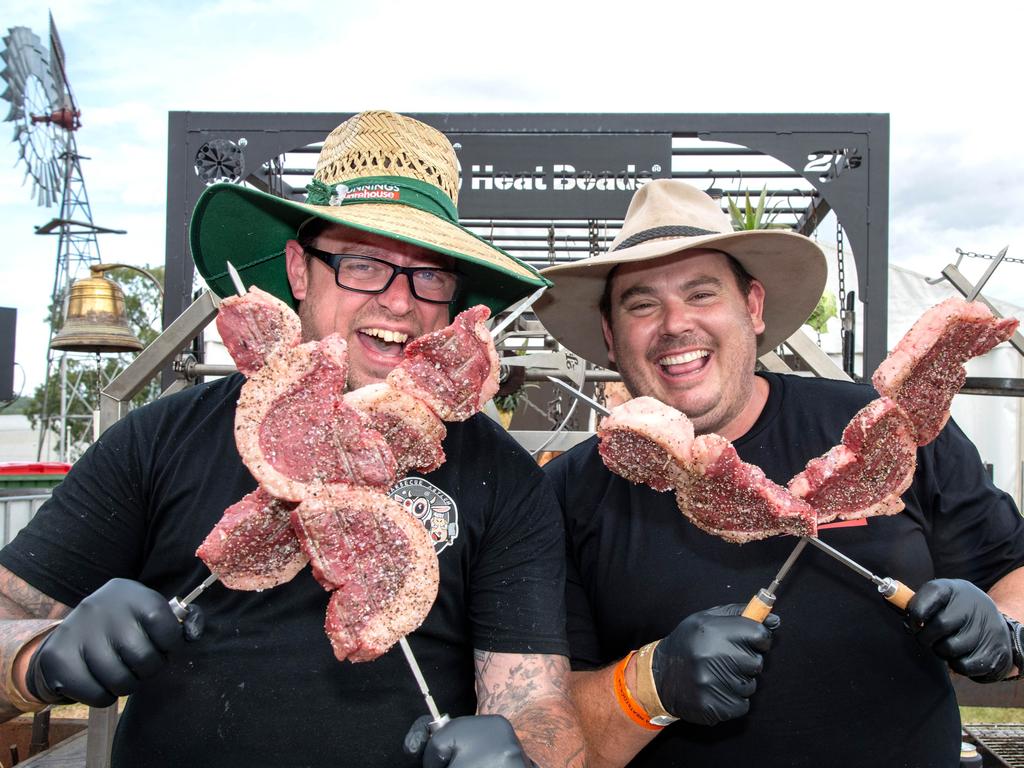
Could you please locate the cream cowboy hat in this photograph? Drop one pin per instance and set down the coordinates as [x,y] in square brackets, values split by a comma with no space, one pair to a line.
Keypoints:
[666,217]
[378,172]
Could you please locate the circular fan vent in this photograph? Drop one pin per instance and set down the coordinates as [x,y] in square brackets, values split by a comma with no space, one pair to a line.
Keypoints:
[220,160]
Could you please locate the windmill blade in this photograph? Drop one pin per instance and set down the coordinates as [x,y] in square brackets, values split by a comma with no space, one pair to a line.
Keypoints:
[58,72]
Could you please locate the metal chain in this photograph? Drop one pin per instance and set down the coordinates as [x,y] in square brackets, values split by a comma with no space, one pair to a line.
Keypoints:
[593,236]
[974,255]
[840,258]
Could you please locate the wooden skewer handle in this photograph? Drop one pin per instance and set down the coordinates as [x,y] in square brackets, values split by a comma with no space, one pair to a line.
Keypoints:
[902,596]
[759,607]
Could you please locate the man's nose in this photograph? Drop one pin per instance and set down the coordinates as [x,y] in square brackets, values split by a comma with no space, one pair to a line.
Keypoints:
[398,298]
[677,318]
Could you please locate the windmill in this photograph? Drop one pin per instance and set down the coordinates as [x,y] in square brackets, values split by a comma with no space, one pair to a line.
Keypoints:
[45,118]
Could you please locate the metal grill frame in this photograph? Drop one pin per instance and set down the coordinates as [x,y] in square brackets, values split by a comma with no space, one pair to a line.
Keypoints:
[859,196]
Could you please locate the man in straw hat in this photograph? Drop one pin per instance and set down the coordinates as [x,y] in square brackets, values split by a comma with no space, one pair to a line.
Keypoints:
[261,686]
[682,306]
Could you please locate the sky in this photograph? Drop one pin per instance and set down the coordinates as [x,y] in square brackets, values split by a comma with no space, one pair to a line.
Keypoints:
[947,74]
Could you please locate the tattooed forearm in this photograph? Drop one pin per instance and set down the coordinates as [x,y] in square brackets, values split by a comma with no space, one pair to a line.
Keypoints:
[532,692]
[18,600]
[24,611]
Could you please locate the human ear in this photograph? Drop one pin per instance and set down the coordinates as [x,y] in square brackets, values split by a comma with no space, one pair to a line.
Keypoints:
[606,329]
[755,306]
[295,265]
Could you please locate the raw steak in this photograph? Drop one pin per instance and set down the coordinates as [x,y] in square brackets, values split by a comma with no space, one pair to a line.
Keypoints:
[295,432]
[867,473]
[255,327]
[380,562]
[734,500]
[253,546]
[645,441]
[453,370]
[926,368]
[408,425]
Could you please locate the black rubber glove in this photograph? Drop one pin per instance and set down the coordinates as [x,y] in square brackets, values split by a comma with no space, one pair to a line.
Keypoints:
[706,669]
[962,625]
[113,640]
[483,741]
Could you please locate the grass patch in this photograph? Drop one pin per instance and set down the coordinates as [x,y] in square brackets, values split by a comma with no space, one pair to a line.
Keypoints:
[991,715]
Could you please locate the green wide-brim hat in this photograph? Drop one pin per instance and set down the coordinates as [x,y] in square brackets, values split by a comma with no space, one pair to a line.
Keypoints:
[378,172]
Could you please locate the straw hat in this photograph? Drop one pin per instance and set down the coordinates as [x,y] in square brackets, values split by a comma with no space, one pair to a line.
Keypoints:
[666,217]
[378,172]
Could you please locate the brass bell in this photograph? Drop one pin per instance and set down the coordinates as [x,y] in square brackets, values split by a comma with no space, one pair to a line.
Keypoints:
[96,320]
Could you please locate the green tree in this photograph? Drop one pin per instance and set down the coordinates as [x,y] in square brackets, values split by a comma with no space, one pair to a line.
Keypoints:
[88,376]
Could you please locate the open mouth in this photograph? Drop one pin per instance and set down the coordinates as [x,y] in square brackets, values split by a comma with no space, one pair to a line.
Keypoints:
[687,362]
[387,342]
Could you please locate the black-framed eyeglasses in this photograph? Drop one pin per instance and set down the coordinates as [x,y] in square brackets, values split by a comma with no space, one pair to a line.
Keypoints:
[367,274]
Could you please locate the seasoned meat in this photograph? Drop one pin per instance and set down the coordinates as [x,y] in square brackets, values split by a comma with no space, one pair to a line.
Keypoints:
[734,500]
[378,559]
[411,429]
[866,474]
[297,435]
[255,327]
[453,370]
[646,441]
[926,368]
[253,547]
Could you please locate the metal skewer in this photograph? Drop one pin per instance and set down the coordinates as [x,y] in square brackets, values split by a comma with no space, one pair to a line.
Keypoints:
[893,590]
[761,604]
[421,681]
[517,310]
[236,279]
[580,396]
[179,606]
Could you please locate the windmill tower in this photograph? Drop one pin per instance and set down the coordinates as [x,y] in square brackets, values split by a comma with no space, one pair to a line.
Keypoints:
[45,118]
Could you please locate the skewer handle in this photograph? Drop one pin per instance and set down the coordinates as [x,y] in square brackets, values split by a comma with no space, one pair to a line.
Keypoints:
[760,606]
[897,593]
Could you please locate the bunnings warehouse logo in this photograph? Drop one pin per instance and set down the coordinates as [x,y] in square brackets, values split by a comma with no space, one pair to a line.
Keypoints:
[562,177]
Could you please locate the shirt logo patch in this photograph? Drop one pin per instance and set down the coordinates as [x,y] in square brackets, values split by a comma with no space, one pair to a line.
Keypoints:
[432,507]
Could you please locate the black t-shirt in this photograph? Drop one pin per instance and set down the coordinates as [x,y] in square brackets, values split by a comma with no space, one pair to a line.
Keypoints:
[262,687]
[845,685]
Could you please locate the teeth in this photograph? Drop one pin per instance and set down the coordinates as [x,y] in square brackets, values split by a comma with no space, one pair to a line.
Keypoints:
[386,335]
[687,357]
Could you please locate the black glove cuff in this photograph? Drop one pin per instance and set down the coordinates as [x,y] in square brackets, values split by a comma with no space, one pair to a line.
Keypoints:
[1017,644]
[35,682]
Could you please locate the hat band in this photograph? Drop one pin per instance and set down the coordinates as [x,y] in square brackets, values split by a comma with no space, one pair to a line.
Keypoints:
[668,231]
[383,189]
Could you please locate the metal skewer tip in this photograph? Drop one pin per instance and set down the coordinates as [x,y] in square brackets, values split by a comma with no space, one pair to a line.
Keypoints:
[517,310]
[580,396]
[421,681]
[236,279]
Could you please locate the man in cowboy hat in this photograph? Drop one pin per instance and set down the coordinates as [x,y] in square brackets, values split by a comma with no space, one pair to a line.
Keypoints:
[261,686]
[682,306]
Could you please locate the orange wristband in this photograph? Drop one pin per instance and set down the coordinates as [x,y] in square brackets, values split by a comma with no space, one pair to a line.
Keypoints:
[629,705]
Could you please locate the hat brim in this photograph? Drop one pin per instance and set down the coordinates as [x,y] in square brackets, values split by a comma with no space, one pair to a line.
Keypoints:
[250,228]
[791,267]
